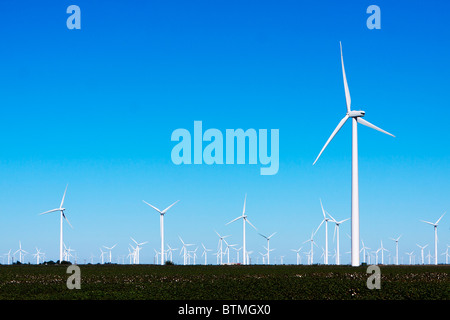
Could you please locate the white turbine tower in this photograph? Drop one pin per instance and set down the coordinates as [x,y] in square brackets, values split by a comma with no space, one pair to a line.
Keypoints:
[110,249]
[357,117]
[396,248]
[244,220]
[62,215]
[325,219]
[435,237]
[336,228]
[421,251]
[161,224]
[268,248]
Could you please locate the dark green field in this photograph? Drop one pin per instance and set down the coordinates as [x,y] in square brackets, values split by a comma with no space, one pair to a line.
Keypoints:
[139,282]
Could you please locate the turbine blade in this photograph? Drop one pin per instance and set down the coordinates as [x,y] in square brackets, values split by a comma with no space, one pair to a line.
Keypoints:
[250,223]
[152,207]
[271,235]
[165,210]
[428,222]
[339,126]
[347,92]
[332,219]
[370,125]
[53,210]
[439,219]
[67,220]
[62,201]
[232,221]
[245,200]
[319,227]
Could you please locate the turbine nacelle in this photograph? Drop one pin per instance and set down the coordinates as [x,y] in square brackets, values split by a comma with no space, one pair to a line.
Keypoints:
[356,114]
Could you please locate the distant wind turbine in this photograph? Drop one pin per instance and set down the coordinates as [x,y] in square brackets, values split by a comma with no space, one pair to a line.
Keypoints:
[161,225]
[244,220]
[357,117]
[396,248]
[421,251]
[110,249]
[61,210]
[325,219]
[435,237]
[268,248]
[336,231]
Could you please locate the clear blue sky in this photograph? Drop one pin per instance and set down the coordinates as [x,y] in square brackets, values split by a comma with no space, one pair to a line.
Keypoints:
[95,108]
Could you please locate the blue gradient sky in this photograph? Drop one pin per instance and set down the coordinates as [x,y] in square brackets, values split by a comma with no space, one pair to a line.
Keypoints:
[96,107]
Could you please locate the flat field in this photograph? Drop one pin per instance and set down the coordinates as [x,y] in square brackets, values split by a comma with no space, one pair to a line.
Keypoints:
[254,282]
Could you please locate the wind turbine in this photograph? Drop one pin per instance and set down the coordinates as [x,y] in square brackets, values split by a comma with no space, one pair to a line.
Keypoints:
[298,254]
[382,254]
[169,250]
[396,248]
[138,249]
[102,255]
[205,252]
[364,251]
[184,250]
[244,219]
[9,256]
[336,228]
[421,249]
[62,215]
[268,249]
[410,256]
[435,237]
[21,251]
[312,248]
[221,238]
[37,255]
[325,219]
[227,250]
[110,249]
[161,224]
[357,117]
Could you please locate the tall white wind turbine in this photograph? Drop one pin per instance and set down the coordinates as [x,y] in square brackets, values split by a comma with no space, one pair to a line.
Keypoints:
[62,215]
[396,248]
[357,117]
[161,224]
[244,220]
[435,237]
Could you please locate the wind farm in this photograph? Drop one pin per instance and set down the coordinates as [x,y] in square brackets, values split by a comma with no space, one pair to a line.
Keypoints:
[281,188]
